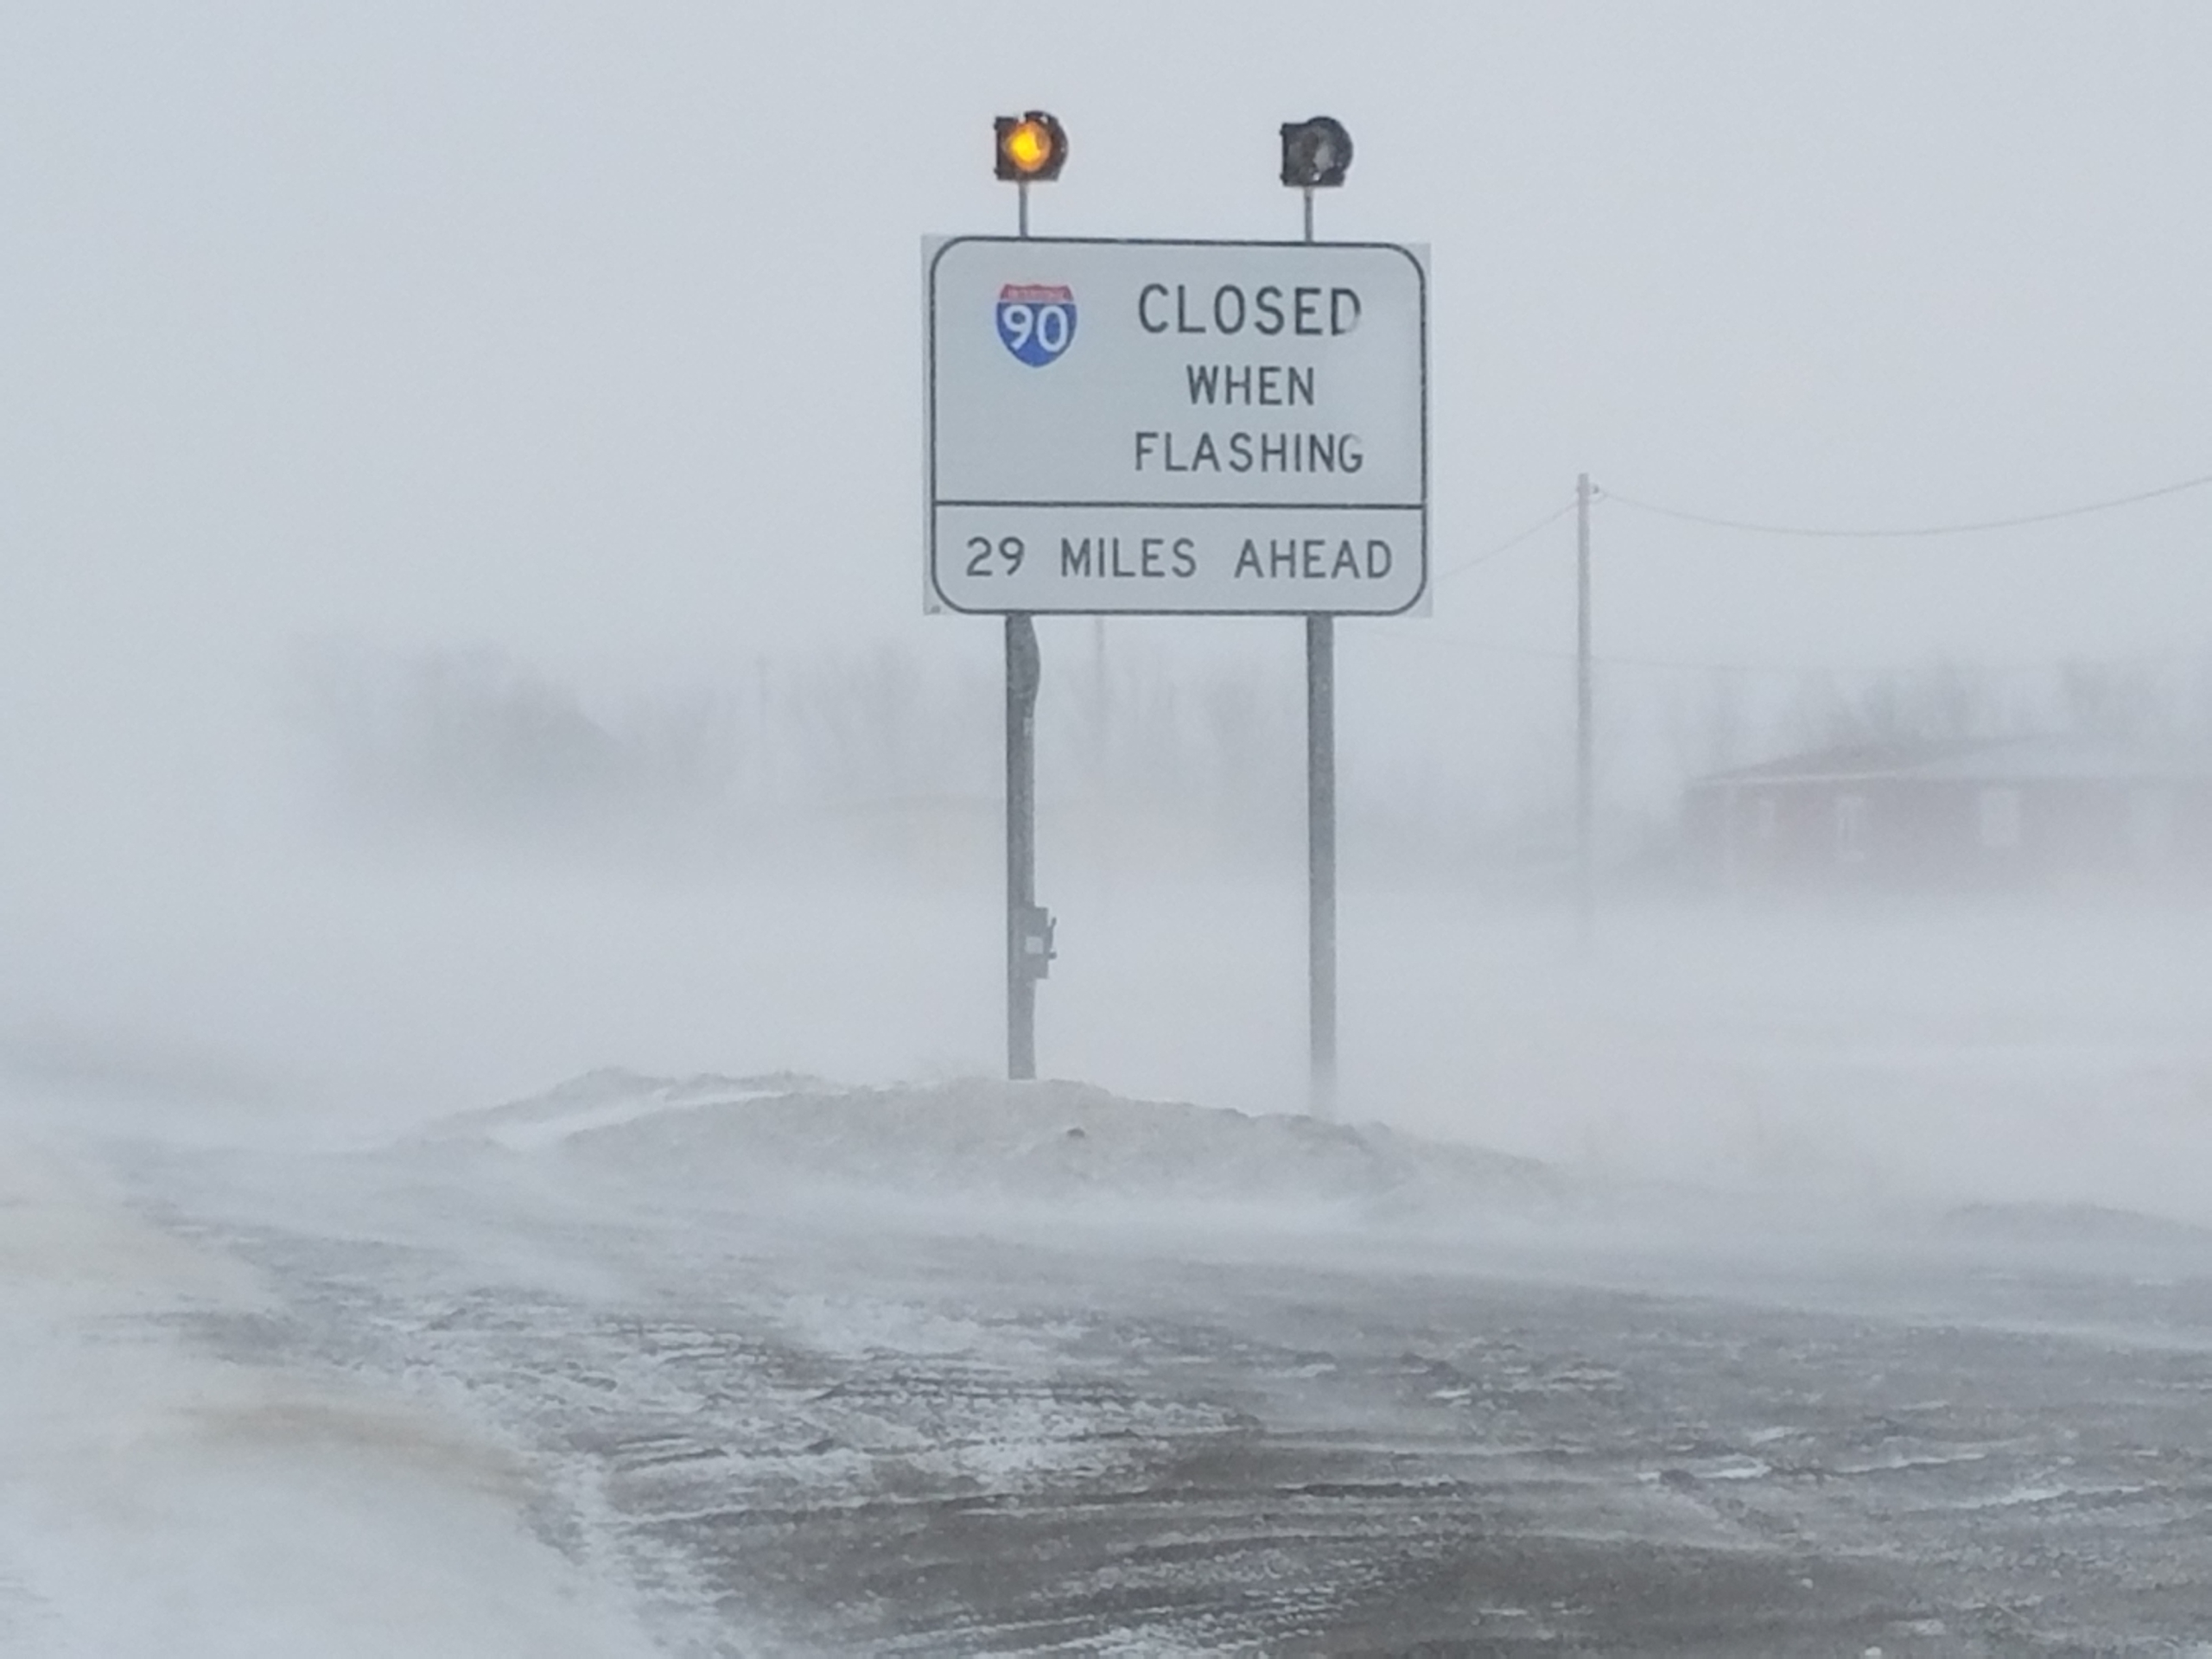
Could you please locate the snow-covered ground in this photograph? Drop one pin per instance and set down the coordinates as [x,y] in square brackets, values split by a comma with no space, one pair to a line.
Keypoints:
[160,1498]
[713,1365]
[1767,1283]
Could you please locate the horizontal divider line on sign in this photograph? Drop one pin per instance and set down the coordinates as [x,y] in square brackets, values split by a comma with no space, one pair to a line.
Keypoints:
[1206,506]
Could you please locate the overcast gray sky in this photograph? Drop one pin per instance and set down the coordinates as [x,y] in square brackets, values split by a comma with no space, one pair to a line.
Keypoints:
[592,332]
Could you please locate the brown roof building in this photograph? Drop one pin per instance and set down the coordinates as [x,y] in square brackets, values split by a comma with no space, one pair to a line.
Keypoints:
[2013,813]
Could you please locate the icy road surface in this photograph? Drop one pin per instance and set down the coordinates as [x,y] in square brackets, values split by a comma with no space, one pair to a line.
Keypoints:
[771,1367]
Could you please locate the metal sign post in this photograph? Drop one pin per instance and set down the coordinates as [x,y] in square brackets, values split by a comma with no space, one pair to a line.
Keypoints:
[1028,926]
[1316,154]
[1031,147]
[1320,842]
[1321,861]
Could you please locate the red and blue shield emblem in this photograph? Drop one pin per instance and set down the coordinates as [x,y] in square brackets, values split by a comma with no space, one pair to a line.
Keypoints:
[1036,320]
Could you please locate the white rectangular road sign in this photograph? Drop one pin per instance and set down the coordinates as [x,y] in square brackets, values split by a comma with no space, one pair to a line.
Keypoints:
[1197,428]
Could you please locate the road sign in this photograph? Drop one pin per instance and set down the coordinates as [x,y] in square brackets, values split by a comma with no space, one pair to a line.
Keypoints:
[1235,427]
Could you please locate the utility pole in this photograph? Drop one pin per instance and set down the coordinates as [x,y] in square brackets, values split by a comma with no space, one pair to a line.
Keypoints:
[1585,900]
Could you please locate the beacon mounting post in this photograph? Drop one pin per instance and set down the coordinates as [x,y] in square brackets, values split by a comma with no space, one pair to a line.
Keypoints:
[1026,148]
[1316,154]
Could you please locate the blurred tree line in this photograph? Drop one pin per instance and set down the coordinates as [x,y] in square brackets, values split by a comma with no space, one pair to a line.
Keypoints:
[899,754]
[876,744]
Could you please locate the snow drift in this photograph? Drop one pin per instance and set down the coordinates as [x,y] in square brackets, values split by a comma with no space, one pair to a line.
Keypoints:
[978,1142]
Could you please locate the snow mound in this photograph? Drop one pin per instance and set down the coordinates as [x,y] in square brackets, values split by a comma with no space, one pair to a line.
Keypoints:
[607,1097]
[1053,1143]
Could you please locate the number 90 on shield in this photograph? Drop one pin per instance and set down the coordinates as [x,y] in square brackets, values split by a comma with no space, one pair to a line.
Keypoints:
[1036,322]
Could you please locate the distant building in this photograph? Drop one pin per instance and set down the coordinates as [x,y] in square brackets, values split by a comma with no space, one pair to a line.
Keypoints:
[2021,812]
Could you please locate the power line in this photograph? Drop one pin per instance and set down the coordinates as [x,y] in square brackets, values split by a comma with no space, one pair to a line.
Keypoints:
[1503,648]
[1783,670]
[1964,528]
[1509,543]
[1547,653]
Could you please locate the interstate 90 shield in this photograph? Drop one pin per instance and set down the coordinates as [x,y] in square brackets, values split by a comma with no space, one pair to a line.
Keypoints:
[1036,320]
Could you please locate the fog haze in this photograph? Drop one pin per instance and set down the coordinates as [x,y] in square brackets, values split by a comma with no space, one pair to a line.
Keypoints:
[501,884]
[584,349]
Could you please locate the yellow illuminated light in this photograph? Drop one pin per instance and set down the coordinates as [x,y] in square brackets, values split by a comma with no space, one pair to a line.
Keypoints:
[1029,146]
